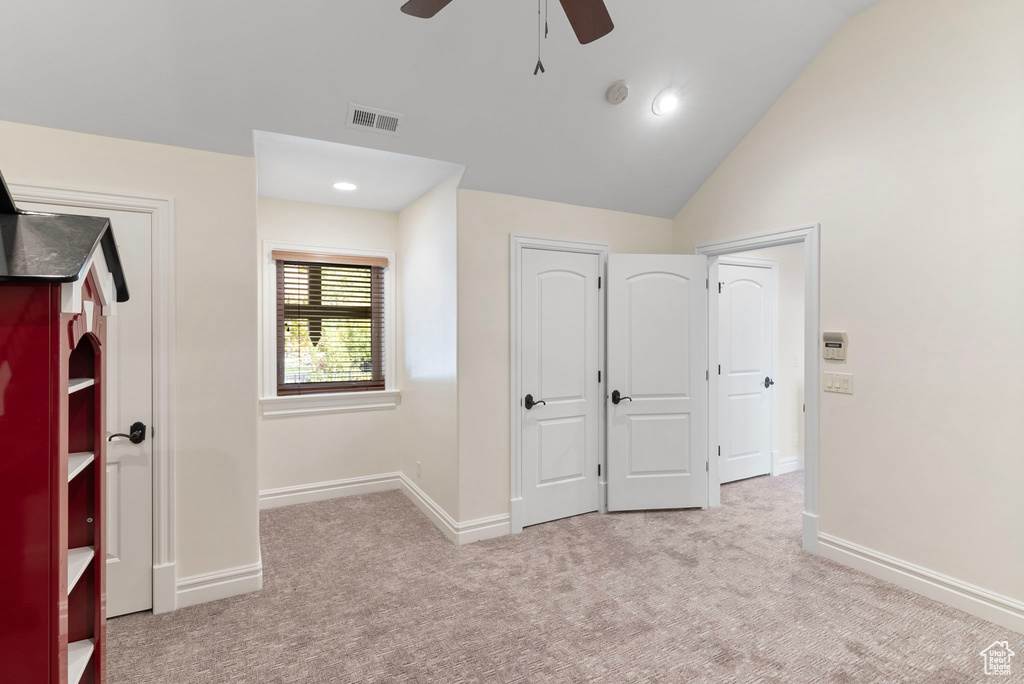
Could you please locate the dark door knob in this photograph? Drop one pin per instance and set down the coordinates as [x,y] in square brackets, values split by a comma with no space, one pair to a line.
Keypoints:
[136,435]
[768,382]
[617,397]
[529,403]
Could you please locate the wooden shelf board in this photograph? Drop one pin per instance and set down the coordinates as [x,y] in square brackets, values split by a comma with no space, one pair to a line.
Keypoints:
[77,462]
[75,384]
[78,561]
[79,653]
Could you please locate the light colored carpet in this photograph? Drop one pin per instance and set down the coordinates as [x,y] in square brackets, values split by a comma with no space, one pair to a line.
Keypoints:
[365,589]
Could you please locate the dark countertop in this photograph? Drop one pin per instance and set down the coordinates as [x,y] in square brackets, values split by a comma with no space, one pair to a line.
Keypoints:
[55,248]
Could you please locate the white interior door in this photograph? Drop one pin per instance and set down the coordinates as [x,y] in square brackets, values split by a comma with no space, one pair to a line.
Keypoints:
[129,390]
[560,345]
[657,362]
[746,348]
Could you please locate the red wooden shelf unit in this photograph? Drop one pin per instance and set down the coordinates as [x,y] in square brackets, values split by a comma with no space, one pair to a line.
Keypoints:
[60,278]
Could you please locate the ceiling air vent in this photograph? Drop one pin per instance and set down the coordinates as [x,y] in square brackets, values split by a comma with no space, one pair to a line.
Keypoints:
[374,120]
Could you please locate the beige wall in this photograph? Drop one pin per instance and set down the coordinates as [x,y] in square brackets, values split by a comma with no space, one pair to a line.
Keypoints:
[215,384]
[427,332]
[306,449]
[904,140]
[485,221]
[790,383]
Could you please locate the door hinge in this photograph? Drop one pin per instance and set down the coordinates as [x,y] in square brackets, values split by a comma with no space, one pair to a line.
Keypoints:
[707,375]
[599,470]
[720,288]
[598,282]
[706,283]
[719,449]
[707,467]
[719,369]
[599,376]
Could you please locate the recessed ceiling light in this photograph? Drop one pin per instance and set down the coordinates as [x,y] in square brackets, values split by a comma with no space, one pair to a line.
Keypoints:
[345,186]
[666,101]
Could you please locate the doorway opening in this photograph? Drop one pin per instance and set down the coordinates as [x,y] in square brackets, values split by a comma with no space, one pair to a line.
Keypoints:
[557,484]
[141,549]
[619,427]
[722,255]
[761,362]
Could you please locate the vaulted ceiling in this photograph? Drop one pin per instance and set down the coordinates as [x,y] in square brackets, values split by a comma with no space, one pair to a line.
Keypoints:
[205,74]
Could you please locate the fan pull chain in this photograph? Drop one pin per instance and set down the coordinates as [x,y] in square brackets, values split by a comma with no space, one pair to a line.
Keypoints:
[542,33]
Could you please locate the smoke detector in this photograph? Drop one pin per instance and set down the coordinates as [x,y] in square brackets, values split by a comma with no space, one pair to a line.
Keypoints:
[617,92]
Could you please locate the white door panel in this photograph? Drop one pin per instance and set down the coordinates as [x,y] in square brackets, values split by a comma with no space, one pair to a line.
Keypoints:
[113,512]
[657,361]
[129,390]
[746,310]
[560,329]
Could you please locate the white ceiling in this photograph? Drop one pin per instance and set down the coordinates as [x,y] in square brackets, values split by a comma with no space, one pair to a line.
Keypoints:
[206,74]
[305,170]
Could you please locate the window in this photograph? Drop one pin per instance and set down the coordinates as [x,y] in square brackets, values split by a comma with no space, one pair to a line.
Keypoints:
[330,323]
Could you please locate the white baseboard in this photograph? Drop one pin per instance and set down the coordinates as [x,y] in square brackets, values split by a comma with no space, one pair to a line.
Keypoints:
[213,586]
[972,599]
[165,588]
[458,532]
[810,532]
[790,464]
[515,515]
[320,491]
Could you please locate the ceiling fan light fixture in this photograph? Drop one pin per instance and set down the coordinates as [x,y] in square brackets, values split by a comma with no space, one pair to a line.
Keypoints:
[347,187]
[665,102]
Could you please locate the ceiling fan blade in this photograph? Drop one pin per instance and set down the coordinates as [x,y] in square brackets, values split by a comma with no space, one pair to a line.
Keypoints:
[424,9]
[589,19]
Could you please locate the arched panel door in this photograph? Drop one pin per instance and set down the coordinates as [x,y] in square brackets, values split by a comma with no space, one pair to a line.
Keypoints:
[560,408]
[657,384]
[745,348]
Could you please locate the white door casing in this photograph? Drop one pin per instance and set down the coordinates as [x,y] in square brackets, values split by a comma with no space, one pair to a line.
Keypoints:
[746,349]
[810,237]
[129,391]
[560,361]
[657,360]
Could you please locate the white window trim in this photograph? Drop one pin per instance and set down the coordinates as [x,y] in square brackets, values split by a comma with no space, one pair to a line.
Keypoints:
[327,402]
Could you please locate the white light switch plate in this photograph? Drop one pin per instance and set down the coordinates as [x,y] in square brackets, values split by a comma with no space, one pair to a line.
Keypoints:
[840,383]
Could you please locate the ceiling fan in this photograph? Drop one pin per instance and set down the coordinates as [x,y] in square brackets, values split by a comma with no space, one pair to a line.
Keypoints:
[589,18]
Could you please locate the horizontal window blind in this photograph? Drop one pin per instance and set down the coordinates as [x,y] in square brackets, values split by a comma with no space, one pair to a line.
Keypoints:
[330,325]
